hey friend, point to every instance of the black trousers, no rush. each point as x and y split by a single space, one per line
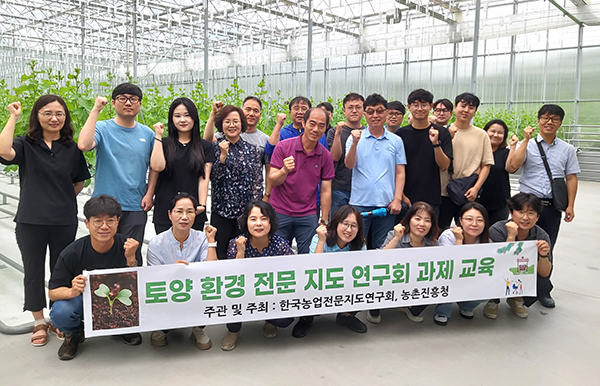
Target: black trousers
34 241
133 225
448 212
498 215
227 229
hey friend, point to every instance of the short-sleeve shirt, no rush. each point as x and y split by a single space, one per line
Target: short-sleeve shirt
422 172
256 138
238 181
496 188
80 255
165 249
47 196
447 238
499 233
562 159
327 248
277 247
343 175
374 175
471 149
122 159
297 195
405 241
181 178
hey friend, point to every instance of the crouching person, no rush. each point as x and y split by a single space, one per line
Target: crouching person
183 245
525 211
102 249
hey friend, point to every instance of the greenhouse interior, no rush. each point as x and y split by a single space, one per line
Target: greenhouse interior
514 54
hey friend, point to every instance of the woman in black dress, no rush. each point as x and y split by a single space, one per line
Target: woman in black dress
496 189
180 162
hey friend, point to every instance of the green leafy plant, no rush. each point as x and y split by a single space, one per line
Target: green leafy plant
123 296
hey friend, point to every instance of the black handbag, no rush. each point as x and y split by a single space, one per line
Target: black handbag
560 195
457 188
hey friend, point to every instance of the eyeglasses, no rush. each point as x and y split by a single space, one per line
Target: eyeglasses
300 108
353 108
471 220
353 226
111 222
395 114
555 119
440 111
423 106
373 111
180 212
123 99
48 115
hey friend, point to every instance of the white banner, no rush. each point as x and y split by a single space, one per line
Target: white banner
125 300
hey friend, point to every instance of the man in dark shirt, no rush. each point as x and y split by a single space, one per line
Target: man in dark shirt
336 139
102 249
428 150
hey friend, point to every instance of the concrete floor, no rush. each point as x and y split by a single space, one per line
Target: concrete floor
560 346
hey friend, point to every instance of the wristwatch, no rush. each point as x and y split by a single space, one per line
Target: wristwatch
325 222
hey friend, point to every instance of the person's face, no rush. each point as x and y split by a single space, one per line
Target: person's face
316 125
297 112
102 228
353 110
394 118
183 215
549 124
420 110
472 222
232 126
127 105
496 134
52 117
525 217
376 115
182 119
464 111
420 224
347 229
259 225
442 114
251 110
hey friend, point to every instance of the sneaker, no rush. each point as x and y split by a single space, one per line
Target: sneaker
547 301
301 328
203 342
269 330
517 307
409 315
375 319
228 342
352 322
68 349
133 339
467 314
490 310
158 339
440 320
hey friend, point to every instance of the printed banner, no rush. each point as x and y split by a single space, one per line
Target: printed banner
119 301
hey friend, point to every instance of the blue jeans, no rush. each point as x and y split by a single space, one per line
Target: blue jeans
446 308
67 315
339 198
381 226
302 228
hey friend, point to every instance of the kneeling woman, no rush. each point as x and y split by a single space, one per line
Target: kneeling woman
474 228
182 245
258 224
418 228
344 233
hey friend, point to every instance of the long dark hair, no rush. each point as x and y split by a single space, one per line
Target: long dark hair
484 237
434 231
339 216
35 130
196 159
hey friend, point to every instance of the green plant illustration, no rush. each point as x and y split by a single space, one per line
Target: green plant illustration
123 296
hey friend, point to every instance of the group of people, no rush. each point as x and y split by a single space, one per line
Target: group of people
331 188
